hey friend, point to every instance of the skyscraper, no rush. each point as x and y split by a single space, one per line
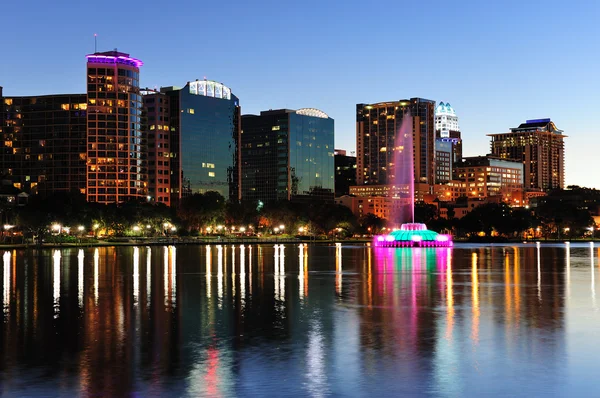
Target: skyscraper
447 128
539 145
376 129
287 155
116 165
205 127
43 146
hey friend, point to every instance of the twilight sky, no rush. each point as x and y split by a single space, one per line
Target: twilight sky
497 63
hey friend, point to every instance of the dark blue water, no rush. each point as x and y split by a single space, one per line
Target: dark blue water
301 321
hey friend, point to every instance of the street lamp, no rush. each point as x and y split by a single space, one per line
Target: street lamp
276 230
56 227
81 228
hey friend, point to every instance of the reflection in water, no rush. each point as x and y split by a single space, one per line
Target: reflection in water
385 321
220 276
80 258
338 268
56 282
6 283
301 249
96 261
136 276
242 275
593 279
208 274
475 298
148 275
568 269
539 273
279 259
316 376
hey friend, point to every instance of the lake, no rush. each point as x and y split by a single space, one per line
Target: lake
301 320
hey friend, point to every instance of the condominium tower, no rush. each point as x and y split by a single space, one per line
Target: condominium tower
116 164
539 145
376 128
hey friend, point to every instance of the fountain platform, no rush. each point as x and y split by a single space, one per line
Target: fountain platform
413 235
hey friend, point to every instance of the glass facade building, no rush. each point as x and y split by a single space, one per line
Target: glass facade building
287 155
116 164
209 126
43 145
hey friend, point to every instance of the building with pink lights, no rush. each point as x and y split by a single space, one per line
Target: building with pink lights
116 160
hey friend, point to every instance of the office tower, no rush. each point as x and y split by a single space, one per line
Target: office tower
43 145
287 155
443 160
376 129
116 165
446 127
539 145
156 127
345 172
204 119
487 176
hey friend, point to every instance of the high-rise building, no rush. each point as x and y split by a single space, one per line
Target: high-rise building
539 145
447 129
43 145
443 160
287 155
116 164
345 172
158 130
204 122
445 120
376 128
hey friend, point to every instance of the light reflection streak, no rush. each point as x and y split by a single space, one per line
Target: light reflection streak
6 283
220 276
173 271
243 274
208 271
507 292
338 268
301 271
233 272
539 273
517 279
449 297
282 272
166 275
136 276
369 276
475 298
80 257
148 275
593 274
316 374
96 261
568 266
56 282
250 270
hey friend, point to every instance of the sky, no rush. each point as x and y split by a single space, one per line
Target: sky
497 63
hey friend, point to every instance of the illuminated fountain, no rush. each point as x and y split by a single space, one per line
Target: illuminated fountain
410 234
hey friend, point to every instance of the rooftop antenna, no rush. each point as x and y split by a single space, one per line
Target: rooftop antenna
95 42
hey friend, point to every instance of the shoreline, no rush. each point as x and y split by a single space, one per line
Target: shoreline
240 241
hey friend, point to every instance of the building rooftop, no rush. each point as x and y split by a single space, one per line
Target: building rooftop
113 57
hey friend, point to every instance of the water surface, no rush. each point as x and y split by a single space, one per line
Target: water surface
297 320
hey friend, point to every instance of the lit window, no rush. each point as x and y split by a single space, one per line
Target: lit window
211 173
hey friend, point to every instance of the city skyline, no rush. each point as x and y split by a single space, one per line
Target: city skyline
487 60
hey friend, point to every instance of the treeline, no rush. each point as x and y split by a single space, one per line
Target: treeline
561 214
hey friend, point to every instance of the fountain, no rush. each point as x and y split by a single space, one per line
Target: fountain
402 178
